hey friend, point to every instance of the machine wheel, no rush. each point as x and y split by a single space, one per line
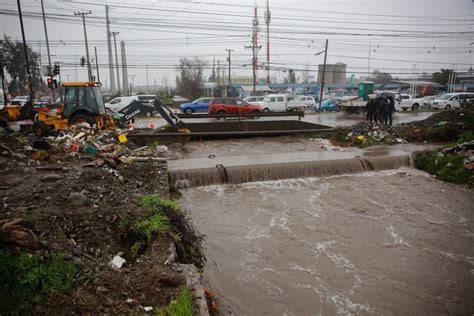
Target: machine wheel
447 107
189 111
81 118
41 129
415 107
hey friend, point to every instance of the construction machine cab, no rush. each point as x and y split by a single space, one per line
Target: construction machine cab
83 102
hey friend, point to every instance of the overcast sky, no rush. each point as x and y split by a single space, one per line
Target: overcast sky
430 33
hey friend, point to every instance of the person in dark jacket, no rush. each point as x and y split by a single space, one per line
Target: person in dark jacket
390 109
370 110
381 108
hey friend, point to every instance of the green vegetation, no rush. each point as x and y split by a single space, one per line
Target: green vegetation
444 133
447 167
182 305
164 217
27 279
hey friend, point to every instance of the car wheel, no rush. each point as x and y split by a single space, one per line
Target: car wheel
255 112
415 107
189 111
447 107
220 112
266 110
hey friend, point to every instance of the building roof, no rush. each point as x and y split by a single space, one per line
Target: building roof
418 82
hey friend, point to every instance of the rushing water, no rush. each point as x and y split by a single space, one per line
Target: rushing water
391 243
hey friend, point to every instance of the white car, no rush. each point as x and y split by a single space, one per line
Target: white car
280 103
308 100
408 101
20 100
451 100
119 103
254 99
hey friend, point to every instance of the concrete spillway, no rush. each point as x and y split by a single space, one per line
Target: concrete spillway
242 169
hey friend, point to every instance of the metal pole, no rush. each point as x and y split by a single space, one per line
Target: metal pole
116 61
2 75
96 64
229 60
47 43
25 49
109 48
147 85
267 21
368 65
89 68
322 77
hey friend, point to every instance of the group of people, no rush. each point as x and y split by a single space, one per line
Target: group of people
380 109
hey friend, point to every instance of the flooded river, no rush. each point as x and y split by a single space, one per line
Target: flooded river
393 243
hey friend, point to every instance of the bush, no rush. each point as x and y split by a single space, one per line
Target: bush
25 280
449 168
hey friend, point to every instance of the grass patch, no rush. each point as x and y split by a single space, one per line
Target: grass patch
323 135
449 168
181 305
26 280
444 133
162 216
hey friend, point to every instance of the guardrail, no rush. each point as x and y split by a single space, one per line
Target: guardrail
299 114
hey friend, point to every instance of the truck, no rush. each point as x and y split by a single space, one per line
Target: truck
281 103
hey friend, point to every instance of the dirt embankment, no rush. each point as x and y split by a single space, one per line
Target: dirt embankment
84 208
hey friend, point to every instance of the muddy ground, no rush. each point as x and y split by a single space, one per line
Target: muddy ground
37 185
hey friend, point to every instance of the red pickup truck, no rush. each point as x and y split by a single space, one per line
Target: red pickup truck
232 105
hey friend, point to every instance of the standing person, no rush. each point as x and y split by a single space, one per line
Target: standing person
370 106
380 105
390 109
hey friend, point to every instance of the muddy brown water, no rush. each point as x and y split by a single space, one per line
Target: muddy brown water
395 242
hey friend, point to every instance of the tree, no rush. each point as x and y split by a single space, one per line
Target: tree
190 78
14 59
380 77
442 77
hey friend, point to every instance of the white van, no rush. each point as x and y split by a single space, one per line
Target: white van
451 100
280 103
119 103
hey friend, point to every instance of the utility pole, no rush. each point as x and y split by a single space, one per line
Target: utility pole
267 21
50 74
25 49
322 77
229 60
114 34
124 69
89 68
147 86
255 49
2 77
109 49
368 65
97 64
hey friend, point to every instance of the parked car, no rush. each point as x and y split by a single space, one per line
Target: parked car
328 105
451 100
115 105
232 105
281 103
199 105
408 101
43 103
308 100
20 100
254 99
427 100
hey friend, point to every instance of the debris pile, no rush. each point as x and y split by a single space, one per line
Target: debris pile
68 194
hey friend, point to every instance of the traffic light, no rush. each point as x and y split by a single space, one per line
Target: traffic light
50 83
83 61
56 70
